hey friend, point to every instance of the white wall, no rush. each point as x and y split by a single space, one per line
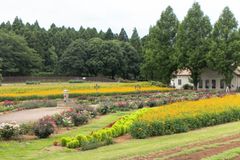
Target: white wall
210 75
184 79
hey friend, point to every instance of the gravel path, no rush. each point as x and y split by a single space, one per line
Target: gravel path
30 115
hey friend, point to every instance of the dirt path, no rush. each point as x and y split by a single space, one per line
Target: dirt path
221 145
30 115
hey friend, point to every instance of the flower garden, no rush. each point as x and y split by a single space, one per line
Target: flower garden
148 110
24 92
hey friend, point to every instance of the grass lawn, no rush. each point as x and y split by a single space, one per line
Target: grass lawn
42 149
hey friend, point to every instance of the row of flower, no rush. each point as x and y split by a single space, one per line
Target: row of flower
103 136
169 119
23 92
46 126
188 115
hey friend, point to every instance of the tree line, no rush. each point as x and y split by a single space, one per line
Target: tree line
28 49
193 44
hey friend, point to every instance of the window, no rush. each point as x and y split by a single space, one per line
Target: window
213 84
179 82
222 84
200 85
207 84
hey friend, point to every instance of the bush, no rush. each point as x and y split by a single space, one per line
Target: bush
27 128
104 108
187 87
75 81
32 82
45 127
157 128
157 83
96 144
65 140
81 139
73 144
139 130
79 118
9 130
152 103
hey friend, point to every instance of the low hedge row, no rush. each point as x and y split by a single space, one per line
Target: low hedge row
142 129
103 136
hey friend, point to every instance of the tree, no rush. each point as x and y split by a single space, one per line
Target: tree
123 36
161 46
109 35
17 57
193 42
111 57
1 78
72 62
131 61
94 63
224 55
135 41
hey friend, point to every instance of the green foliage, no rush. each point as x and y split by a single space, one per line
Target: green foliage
123 36
143 129
193 42
44 127
139 130
224 55
76 81
20 59
159 47
32 82
73 144
8 131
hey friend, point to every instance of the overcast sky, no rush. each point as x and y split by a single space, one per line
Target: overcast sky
107 13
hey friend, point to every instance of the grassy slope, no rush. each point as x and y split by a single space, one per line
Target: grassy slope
39 149
12 150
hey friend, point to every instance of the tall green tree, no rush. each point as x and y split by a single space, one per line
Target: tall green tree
17 57
135 41
1 78
193 42
131 61
72 62
112 57
224 55
123 36
109 35
161 46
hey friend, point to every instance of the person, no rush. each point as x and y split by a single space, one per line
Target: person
227 89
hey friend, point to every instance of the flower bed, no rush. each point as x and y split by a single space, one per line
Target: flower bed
188 115
23 92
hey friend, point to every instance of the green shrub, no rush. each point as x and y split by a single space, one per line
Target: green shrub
65 140
75 81
96 144
187 87
81 139
9 130
104 108
79 119
156 128
44 127
140 130
26 128
74 143
32 82
157 83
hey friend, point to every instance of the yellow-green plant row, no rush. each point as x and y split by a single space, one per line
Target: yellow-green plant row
183 116
55 90
103 136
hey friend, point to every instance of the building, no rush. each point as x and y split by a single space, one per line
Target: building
209 79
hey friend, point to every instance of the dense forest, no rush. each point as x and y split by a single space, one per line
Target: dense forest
194 43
